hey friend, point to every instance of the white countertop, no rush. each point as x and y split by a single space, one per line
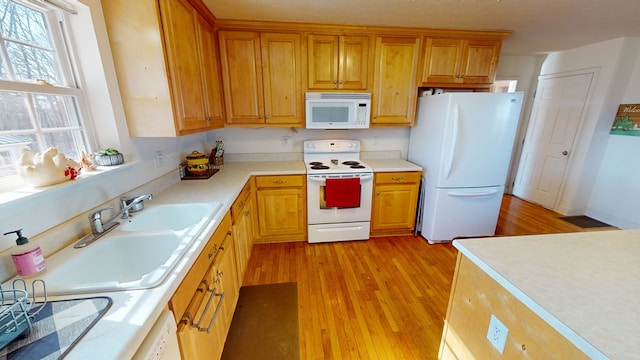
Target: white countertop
121 331
391 165
585 285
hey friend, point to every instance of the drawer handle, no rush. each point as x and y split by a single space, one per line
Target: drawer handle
196 325
279 181
400 178
241 204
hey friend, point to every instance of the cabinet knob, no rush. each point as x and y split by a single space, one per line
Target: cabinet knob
335 81
377 193
260 116
247 213
341 82
221 274
266 117
299 196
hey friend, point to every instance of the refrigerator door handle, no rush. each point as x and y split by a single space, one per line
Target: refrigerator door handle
454 140
476 194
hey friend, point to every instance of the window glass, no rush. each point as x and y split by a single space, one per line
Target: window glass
37 109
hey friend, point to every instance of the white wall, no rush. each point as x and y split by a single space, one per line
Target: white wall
272 140
616 195
613 61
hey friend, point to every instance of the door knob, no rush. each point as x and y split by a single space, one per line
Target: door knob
565 153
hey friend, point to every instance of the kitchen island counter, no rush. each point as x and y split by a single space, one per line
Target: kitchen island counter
585 285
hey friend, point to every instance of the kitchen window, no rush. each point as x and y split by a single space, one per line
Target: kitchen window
41 102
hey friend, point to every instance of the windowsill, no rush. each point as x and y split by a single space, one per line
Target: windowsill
29 194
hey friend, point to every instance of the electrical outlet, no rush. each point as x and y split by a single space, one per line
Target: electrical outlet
285 141
159 159
375 140
497 333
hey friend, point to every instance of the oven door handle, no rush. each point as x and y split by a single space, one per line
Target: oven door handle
321 180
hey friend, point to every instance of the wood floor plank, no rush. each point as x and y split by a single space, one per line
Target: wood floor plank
384 298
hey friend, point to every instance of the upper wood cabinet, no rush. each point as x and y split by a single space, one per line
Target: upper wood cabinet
262 78
338 62
394 89
459 61
148 39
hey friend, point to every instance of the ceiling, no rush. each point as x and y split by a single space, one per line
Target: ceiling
537 26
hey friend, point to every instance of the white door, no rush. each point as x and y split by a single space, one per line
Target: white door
556 116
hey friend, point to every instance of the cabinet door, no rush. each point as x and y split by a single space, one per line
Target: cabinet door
200 332
281 213
442 60
322 61
394 207
242 76
394 88
282 78
354 63
226 283
480 61
212 90
338 62
179 21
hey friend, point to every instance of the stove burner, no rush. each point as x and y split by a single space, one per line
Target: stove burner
319 167
357 166
314 163
351 163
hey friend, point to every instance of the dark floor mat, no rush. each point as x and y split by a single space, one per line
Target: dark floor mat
584 221
265 324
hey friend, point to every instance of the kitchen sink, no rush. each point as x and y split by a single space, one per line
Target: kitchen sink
174 217
138 254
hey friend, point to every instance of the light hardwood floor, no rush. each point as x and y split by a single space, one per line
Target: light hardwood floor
384 298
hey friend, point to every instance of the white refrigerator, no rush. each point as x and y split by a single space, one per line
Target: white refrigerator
463 141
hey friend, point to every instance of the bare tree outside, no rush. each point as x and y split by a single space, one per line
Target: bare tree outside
38 118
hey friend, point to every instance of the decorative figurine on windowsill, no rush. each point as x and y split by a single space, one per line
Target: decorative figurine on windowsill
47 168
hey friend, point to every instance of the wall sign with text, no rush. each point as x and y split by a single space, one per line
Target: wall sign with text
627 121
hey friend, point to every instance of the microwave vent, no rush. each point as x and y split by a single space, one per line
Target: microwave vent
336 96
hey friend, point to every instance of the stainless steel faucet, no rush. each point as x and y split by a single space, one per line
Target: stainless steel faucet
99 228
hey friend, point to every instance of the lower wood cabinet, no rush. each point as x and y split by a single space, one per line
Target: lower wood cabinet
205 300
281 208
242 214
395 198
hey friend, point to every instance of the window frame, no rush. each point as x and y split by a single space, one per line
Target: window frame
67 61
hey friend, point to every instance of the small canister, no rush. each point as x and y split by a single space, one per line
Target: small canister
197 163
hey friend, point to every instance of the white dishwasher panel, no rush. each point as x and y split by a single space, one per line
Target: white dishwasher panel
162 341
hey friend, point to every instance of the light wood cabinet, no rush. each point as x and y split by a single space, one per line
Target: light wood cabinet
459 61
475 296
262 78
338 62
242 214
205 300
395 199
167 66
281 208
394 89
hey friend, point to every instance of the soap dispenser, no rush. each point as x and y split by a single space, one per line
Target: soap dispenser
27 258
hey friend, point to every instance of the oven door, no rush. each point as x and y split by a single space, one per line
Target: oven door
319 213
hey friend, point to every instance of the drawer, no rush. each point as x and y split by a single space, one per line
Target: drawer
242 199
182 297
398 177
280 181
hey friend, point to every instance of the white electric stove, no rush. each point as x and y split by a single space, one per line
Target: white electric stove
336 159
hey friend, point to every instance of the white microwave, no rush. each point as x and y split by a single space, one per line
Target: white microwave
337 110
